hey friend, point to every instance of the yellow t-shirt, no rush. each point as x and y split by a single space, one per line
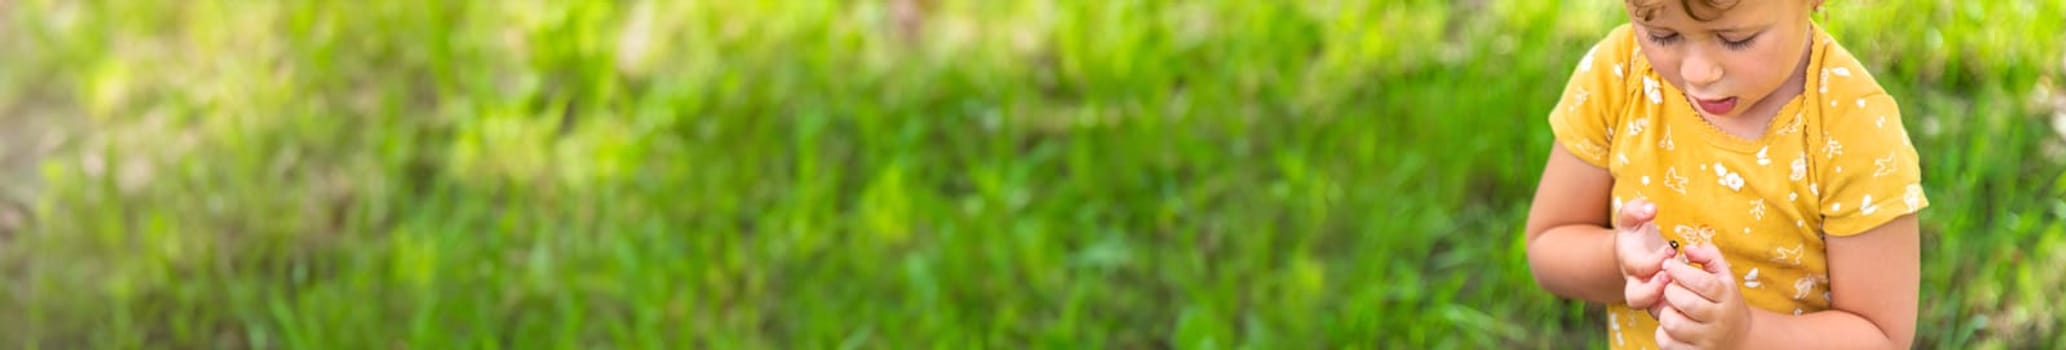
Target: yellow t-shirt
1834 161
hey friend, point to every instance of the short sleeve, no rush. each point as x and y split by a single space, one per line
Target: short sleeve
1584 117
1870 174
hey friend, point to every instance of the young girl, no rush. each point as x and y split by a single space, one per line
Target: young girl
1764 190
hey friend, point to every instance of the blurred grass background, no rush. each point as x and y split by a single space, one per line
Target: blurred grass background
893 173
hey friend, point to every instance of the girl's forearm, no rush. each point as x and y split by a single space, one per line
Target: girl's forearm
1829 329
1577 261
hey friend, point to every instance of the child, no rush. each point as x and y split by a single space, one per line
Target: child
1764 190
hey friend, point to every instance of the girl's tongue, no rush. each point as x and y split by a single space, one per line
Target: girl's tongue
1718 107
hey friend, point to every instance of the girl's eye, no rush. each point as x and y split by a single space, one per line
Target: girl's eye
1666 39
1738 44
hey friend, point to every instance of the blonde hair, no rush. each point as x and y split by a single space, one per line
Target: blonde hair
1645 9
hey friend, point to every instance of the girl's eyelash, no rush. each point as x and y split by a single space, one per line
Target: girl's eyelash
1731 44
1665 39
1739 44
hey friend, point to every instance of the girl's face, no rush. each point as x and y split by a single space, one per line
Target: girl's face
1731 61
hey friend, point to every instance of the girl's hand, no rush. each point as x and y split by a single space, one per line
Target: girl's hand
1706 311
1642 252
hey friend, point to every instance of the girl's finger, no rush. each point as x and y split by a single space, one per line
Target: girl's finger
1635 213
1651 262
1646 293
1690 304
1709 258
1711 286
1667 338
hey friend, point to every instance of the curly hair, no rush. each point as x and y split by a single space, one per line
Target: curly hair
1646 9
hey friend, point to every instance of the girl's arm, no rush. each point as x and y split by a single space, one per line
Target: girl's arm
1570 247
1873 282
1571 242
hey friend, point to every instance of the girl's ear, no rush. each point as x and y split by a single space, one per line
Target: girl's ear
1815 8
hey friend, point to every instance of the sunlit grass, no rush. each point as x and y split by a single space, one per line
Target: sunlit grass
819 174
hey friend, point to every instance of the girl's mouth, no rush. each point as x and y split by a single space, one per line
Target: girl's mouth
1717 106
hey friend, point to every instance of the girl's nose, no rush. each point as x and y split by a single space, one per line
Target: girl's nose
1699 70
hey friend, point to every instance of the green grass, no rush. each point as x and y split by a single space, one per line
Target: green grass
815 174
